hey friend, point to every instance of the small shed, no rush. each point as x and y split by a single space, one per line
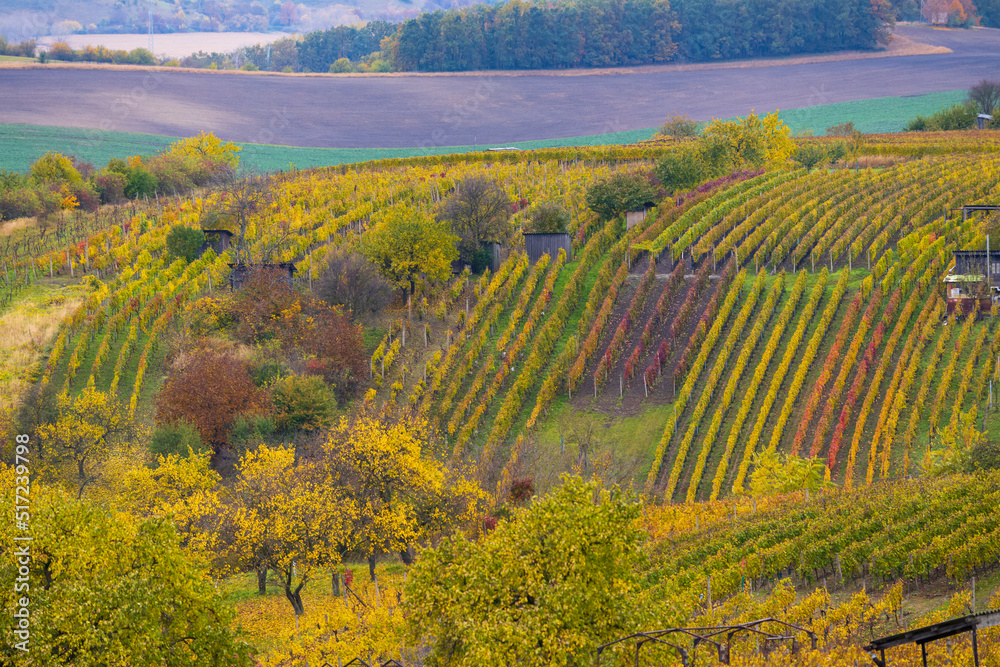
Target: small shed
633 218
241 273
974 266
537 245
930 633
218 240
982 119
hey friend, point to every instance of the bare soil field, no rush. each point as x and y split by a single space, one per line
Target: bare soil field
484 108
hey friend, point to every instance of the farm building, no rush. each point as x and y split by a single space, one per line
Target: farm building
241 273
537 245
964 282
218 240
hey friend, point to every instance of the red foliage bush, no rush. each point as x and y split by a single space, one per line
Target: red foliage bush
110 185
210 390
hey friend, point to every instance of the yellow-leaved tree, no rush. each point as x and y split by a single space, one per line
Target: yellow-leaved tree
544 589
751 142
183 489
408 245
281 516
75 447
208 146
104 588
399 494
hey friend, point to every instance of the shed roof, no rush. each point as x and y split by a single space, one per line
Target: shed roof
929 633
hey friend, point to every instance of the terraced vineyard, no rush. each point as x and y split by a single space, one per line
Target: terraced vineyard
780 310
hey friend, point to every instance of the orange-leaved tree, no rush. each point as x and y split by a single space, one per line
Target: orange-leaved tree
210 390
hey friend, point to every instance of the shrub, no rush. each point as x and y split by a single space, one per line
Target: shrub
141 182
679 127
178 437
957 117
86 196
19 203
841 129
54 167
185 242
547 218
61 51
340 66
110 185
250 431
302 402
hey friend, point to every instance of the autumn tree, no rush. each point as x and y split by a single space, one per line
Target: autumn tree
302 402
679 127
751 142
206 146
183 489
54 167
244 197
331 346
408 246
108 589
963 448
545 588
398 493
351 280
209 390
809 155
680 169
281 516
75 446
619 193
478 212
267 308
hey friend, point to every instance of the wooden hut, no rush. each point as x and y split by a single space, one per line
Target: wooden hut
537 245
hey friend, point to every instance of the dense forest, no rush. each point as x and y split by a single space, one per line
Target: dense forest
560 35
604 33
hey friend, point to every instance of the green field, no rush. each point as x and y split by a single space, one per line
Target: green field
20 145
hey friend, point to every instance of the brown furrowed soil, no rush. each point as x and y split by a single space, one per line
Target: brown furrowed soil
404 110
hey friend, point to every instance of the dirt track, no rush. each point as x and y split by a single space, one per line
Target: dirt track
487 108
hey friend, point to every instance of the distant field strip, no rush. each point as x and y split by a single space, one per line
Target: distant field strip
20 145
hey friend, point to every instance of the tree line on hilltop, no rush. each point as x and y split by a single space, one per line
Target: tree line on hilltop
588 33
